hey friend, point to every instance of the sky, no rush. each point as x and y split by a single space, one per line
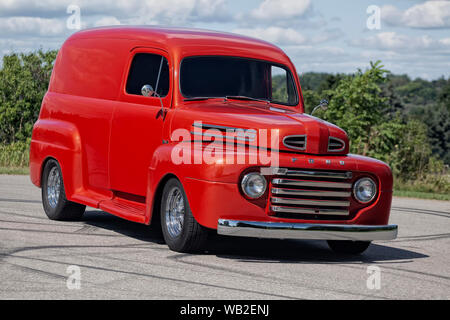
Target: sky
409 36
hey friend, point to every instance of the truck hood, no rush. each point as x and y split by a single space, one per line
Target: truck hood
292 126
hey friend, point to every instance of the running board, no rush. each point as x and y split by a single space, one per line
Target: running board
129 210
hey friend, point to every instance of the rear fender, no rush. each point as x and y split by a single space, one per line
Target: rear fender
61 141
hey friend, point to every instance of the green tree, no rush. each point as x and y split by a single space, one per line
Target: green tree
412 153
360 106
311 99
357 106
437 119
444 95
24 79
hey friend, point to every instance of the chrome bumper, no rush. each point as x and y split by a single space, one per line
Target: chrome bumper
283 230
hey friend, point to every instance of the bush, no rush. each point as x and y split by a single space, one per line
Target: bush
359 106
24 79
16 154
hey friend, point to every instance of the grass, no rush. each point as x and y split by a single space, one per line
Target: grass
436 187
421 195
14 155
14 158
14 170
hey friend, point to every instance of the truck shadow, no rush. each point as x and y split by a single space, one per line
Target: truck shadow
104 220
270 250
258 250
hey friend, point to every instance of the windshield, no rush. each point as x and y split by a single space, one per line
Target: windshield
217 76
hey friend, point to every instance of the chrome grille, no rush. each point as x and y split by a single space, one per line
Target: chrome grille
314 194
335 145
295 142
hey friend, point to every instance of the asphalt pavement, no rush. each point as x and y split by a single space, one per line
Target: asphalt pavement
105 257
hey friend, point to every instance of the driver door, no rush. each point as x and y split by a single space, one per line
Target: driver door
137 124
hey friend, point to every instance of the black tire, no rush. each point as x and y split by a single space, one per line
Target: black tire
61 209
192 236
348 247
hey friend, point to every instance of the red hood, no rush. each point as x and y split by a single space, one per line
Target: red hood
257 116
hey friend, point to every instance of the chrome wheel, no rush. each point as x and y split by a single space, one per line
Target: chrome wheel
175 212
53 187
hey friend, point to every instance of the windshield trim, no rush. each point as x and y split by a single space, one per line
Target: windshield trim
286 68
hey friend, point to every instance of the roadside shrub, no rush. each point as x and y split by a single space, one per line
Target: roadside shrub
24 79
15 154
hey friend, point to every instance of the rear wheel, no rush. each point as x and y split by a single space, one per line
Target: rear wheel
348 247
181 231
56 205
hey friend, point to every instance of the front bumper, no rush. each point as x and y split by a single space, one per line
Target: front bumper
284 230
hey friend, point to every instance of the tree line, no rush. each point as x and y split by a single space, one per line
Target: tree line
401 121
395 96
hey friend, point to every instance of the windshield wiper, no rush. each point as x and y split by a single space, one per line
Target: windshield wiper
200 98
226 98
246 98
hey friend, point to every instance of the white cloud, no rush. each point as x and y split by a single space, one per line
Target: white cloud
48 17
281 13
307 35
174 12
398 42
156 11
107 21
280 36
415 64
430 14
280 9
43 8
288 36
31 26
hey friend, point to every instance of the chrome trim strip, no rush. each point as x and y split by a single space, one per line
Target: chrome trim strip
321 211
309 202
319 174
293 147
204 134
315 193
330 144
285 230
304 183
277 109
214 126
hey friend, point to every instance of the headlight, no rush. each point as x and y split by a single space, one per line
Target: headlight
365 190
254 185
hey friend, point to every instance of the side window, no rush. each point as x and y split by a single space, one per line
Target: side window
149 69
283 90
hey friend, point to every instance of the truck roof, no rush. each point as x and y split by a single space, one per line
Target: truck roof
181 39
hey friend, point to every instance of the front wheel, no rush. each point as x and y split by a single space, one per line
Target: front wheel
181 231
56 205
348 247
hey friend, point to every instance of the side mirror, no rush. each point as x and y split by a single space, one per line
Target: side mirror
147 91
322 105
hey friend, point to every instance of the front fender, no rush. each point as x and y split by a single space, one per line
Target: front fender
213 189
163 165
